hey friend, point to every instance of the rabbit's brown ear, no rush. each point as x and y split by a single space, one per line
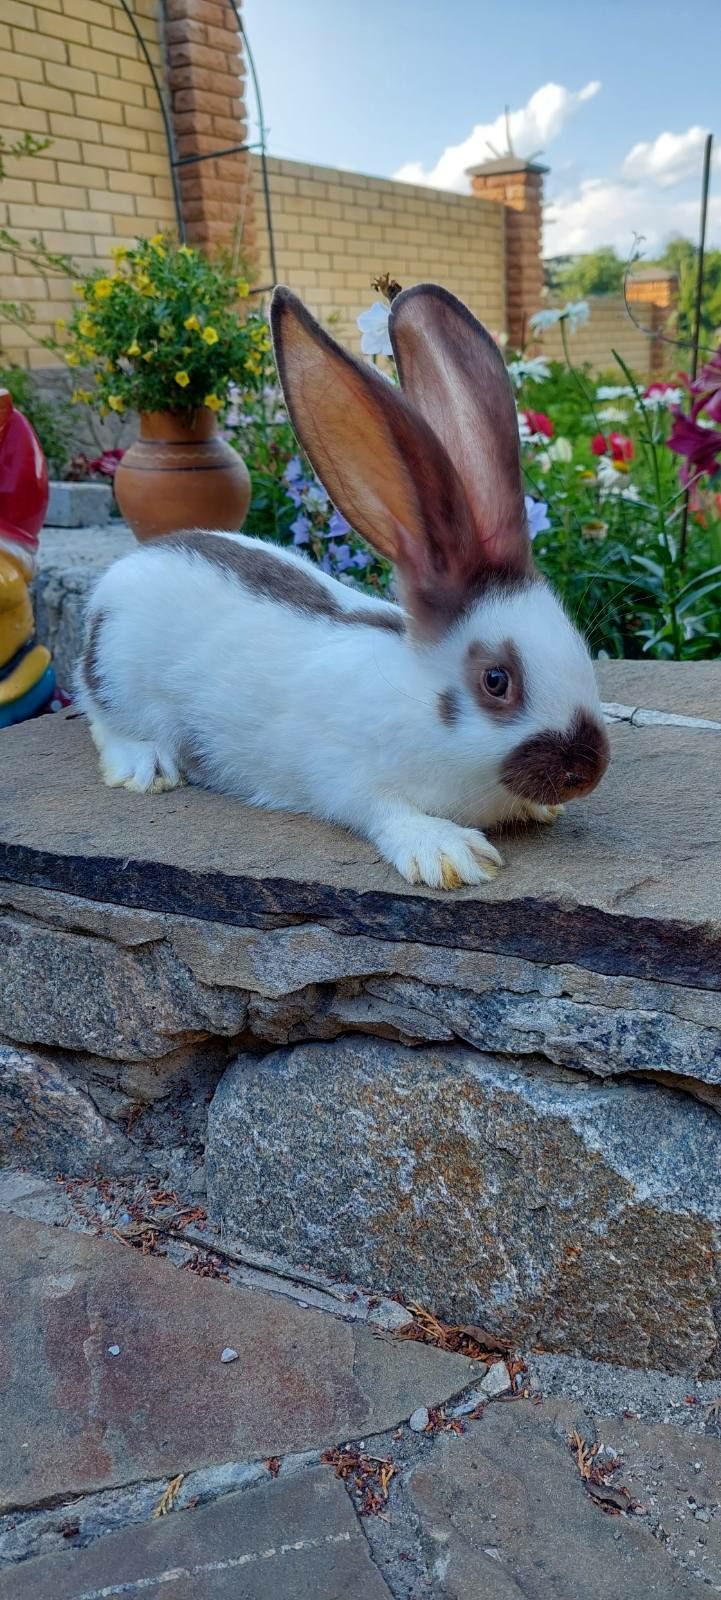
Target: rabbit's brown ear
454 374
382 465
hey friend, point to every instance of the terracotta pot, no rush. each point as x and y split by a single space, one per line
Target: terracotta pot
180 474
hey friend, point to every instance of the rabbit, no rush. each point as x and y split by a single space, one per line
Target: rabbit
226 661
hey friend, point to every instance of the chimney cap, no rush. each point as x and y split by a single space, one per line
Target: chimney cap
500 165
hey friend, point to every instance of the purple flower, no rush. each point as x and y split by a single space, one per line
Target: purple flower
361 560
338 527
701 446
300 529
316 498
341 556
294 470
537 515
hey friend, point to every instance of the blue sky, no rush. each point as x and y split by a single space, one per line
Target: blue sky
618 94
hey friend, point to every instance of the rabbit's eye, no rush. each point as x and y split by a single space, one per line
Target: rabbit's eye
496 682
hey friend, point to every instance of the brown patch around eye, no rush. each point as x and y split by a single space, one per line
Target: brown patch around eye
481 658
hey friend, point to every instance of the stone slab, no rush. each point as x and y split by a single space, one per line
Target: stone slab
79 505
572 1215
70 562
297 1540
74 1418
504 1512
626 882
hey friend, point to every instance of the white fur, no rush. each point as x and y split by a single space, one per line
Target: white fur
295 711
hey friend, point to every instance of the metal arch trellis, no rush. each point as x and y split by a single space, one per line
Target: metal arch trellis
176 162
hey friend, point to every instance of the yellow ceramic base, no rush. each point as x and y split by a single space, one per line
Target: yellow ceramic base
25 675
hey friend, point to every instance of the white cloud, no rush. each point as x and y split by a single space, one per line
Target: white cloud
531 128
669 159
607 211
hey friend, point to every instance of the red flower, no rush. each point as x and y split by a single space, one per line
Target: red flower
700 446
107 463
621 447
598 444
538 422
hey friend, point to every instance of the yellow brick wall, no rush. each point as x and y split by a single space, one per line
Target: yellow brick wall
72 71
335 231
609 328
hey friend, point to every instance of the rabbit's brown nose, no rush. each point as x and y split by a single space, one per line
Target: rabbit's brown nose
552 766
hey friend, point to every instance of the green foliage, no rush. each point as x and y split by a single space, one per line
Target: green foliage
163 332
681 257
49 421
598 272
613 549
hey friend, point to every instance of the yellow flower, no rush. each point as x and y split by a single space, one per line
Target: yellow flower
81 397
182 379
78 288
243 288
86 326
157 239
119 252
134 348
103 288
185 250
60 323
210 336
192 323
116 402
109 366
148 355
143 284
72 359
212 402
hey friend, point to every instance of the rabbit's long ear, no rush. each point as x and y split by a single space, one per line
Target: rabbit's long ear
381 463
454 374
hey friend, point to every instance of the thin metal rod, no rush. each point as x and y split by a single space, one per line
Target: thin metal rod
167 124
263 152
214 155
705 185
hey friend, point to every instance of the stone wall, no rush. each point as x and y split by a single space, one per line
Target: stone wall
336 231
502 1103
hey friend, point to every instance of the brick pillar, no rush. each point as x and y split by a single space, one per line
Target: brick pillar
206 78
653 293
518 185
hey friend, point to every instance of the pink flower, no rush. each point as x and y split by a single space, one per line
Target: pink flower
700 446
107 463
538 422
598 444
707 389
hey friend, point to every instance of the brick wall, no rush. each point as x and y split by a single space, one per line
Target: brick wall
609 328
335 231
71 70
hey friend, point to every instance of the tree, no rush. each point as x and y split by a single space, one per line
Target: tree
598 272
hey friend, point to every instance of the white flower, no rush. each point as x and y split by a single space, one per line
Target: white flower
545 319
612 414
658 401
612 482
576 314
559 450
373 324
535 367
611 391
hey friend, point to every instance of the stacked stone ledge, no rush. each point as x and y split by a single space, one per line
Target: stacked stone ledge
503 1103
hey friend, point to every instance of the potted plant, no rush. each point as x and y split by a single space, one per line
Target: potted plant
162 335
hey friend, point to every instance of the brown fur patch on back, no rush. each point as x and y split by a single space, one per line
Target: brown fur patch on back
264 573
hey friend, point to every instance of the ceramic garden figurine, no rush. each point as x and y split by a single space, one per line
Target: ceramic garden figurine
27 678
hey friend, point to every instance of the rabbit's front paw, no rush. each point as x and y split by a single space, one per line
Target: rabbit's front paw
438 853
533 813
